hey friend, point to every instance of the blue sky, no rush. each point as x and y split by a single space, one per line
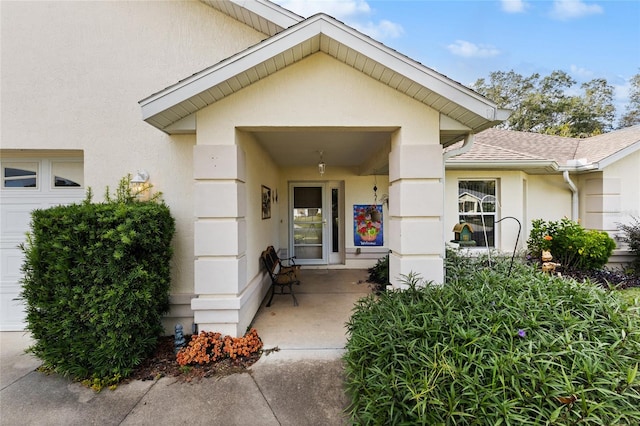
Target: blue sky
466 40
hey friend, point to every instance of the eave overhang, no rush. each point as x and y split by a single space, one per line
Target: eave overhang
261 15
529 166
322 33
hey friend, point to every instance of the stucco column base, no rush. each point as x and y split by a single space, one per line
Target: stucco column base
225 301
230 314
428 269
416 209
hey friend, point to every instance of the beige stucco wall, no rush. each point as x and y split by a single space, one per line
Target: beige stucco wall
627 173
72 76
549 197
523 196
610 197
318 92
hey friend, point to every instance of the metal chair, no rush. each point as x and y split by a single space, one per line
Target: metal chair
280 277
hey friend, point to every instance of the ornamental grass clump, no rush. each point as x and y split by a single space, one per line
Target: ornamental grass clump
484 349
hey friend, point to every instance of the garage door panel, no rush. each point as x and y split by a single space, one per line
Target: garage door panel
12 315
16 206
16 219
11 260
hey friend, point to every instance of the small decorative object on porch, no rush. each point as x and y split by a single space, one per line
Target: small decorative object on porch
547 264
266 202
463 234
178 342
367 222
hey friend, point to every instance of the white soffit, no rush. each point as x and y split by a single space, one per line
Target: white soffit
263 16
321 33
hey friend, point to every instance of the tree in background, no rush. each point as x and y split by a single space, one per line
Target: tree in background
632 115
545 105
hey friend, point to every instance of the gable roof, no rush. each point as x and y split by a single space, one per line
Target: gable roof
609 147
538 153
462 110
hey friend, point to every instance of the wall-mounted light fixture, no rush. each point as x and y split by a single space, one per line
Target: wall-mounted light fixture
140 187
321 165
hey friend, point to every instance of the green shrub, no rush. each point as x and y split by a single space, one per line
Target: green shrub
96 283
486 350
570 244
379 274
632 238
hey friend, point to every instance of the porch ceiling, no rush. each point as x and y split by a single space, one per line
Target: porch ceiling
365 149
170 109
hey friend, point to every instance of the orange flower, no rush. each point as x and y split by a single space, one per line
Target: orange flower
548 237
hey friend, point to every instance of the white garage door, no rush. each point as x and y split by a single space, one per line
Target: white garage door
28 183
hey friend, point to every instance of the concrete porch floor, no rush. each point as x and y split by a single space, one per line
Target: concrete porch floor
316 328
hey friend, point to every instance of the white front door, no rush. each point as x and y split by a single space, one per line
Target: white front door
308 223
28 184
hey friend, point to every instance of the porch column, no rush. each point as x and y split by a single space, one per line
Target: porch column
220 238
416 178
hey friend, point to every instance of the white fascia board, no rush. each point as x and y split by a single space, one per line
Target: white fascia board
319 24
224 70
607 161
270 11
577 169
438 83
551 166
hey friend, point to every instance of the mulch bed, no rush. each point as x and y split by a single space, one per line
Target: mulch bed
162 363
606 278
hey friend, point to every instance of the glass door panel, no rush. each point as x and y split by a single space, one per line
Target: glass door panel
308 224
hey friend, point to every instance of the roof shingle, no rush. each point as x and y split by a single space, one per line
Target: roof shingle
495 145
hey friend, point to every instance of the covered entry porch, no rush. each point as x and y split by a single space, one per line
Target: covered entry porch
316 328
261 116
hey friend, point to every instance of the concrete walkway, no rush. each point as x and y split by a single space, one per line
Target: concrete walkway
301 384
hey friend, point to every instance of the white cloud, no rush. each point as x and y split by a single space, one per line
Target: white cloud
581 72
513 6
572 9
355 13
621 92
339 9
467 49
381 30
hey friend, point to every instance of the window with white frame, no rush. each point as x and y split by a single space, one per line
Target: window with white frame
66 174
19 175
477 200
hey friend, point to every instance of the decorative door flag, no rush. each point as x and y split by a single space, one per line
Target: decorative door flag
367 225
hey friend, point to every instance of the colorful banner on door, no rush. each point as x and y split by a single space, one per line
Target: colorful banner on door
367 225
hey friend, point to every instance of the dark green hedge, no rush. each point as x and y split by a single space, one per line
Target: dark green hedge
96 283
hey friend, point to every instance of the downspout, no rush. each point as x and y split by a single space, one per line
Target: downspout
574 195
466 146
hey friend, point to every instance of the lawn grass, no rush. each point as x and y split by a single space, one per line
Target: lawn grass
631 295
